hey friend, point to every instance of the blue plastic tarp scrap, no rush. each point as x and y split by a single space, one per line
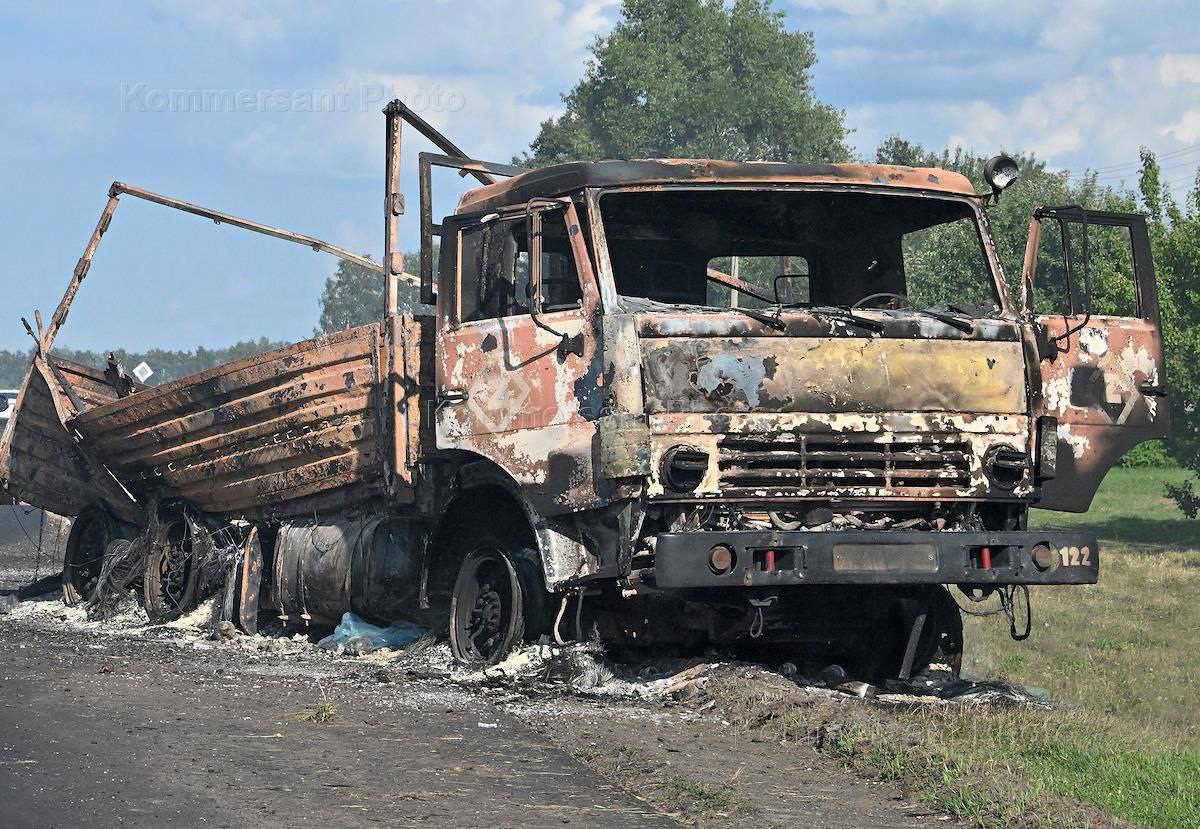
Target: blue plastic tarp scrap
395 635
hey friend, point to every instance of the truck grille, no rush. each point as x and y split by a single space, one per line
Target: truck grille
817 463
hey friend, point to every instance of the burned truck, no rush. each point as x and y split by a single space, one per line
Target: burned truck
777 406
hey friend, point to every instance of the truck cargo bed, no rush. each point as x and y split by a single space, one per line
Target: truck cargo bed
284 432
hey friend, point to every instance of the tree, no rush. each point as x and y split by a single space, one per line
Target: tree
1175 237
353 295
167 365
695 79
1009 218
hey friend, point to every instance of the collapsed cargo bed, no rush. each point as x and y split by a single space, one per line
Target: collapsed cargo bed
289 430
318 425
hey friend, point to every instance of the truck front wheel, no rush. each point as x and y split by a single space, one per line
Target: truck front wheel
487 606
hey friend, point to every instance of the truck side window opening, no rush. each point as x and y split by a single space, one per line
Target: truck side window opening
1111 279
849 245
1052 289
494 269
1058 284
560 277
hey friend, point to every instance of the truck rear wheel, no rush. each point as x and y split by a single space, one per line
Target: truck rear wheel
171 574
487 606
84 554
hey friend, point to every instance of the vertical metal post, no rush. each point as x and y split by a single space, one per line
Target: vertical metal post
81 269
393 208
785 285
735 272
1029 266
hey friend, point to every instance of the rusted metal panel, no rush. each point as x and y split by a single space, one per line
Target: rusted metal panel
1103 390
565 178
87 384
39 462
251 580
830 374
257 433
412 397
510 393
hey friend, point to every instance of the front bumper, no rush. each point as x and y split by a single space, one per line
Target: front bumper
775 558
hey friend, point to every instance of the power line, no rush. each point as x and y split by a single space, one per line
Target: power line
1110 173
1135 164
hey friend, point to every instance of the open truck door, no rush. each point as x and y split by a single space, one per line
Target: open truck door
1089 286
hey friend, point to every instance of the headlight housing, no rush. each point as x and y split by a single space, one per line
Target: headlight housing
1005 466
684 467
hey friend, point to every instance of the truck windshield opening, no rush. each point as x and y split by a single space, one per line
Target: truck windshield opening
798 248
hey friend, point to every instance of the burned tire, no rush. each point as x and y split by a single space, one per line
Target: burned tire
171 574
487 606
83 557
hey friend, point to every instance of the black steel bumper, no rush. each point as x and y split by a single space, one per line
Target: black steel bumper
772 559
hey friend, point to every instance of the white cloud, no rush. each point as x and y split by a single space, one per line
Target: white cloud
1187 128
483 114
1180 69
248 22
488 81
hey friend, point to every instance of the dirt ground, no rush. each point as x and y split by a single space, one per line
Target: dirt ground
119 722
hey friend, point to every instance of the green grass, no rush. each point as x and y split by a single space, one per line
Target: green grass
700 797
1125 651
1131 510
1127 648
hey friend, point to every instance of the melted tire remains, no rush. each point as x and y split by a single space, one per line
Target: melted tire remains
83 557
171 574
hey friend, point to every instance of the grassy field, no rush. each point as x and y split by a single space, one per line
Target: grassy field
1123 659
1125 653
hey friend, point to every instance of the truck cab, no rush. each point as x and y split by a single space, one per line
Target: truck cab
767 402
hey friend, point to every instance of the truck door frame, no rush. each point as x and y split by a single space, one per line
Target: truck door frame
1100 388
553 356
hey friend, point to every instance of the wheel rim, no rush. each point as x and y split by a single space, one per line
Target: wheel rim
485 607
170 574
176 566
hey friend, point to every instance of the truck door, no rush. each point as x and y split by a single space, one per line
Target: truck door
518 378
1089 283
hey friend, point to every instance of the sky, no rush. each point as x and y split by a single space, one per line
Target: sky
271 110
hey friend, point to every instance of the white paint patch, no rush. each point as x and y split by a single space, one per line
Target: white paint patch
1094 341
1138 361
1057 393
1079 443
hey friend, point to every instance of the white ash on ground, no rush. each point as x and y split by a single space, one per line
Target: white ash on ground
536 670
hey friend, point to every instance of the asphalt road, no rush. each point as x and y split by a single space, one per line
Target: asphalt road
142 733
